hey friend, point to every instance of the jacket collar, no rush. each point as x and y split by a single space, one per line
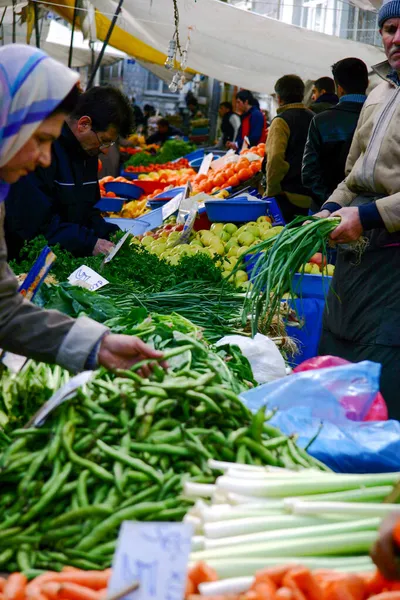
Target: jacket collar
297 105
385 71
327 99
70 140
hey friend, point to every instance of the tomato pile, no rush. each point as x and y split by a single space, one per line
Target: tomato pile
182 163
231 176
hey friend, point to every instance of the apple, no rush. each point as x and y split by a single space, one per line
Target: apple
224 236
217 228
241 277
231 228
246 238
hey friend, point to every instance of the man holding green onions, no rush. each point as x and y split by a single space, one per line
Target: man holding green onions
362 320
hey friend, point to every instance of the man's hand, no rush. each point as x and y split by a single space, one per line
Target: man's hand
322 214
123 351
231 145
350 228
383 553
102 247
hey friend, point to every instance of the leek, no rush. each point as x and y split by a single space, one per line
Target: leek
295 531
242 567
224 529
274 488
356 543
348 508
359 495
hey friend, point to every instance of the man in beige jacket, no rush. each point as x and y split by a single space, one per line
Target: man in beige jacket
362 319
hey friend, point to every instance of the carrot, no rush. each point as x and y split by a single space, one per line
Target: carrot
275 574
376 583
337 590
2 583
290 582
51 589
265 590
1 596
284 593
190 587
306 583
69 569
73 591
94 580
14 588
202 573
386 596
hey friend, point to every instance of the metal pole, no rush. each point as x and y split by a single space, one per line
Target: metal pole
14 23
71 46
37 32
107 39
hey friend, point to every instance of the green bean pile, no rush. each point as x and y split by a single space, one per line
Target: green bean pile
121 449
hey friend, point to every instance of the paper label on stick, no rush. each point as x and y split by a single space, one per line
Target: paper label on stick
116 248
205 164
154 554
172 206
86 277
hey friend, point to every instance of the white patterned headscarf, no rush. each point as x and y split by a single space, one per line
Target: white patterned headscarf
32 85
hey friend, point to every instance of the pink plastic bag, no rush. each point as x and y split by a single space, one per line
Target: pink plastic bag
378 410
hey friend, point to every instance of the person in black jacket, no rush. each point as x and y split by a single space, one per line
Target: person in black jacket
285 147
59 202
230 124
164 131
331 132
323 95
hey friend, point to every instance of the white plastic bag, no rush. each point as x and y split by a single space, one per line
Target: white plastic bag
263 355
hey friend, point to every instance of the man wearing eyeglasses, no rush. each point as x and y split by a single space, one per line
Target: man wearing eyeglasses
59 202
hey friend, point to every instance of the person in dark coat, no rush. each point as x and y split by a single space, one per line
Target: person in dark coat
331 132
164 131
323 95
59 202
285 147
138 114
230 124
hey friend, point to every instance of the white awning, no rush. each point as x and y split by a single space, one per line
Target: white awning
239 47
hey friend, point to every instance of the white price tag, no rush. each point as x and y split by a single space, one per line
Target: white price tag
156 556
172 206
14 362
116 248
205 164
60 396
86 277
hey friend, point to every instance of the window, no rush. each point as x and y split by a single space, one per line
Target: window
155 85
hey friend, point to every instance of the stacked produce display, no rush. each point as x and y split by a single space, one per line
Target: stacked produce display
174 440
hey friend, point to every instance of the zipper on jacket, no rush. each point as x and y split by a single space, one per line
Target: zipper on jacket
376 131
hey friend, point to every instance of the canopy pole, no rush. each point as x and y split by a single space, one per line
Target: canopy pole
71 46
14 37
37 32
106 40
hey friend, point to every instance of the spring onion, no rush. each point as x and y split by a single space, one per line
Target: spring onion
280 258
348 508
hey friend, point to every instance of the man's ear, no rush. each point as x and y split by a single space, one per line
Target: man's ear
84 124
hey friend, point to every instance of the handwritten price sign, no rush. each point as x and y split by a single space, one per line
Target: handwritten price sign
155 555
86 277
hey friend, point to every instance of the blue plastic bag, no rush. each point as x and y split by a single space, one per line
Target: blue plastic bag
351 447
306 399
322 391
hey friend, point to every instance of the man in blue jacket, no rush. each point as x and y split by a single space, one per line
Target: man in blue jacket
59 202
331 132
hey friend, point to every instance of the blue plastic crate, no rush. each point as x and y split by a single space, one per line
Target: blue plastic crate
124 190
129 175
110 204
236 210
199 153
168 195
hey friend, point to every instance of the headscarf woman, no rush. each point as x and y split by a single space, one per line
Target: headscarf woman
36 94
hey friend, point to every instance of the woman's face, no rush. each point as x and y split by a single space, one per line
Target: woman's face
36 152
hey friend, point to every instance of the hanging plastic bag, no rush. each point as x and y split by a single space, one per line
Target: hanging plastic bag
263 355
322 391
350 447
378 410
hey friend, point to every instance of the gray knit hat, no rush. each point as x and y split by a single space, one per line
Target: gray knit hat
390 9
